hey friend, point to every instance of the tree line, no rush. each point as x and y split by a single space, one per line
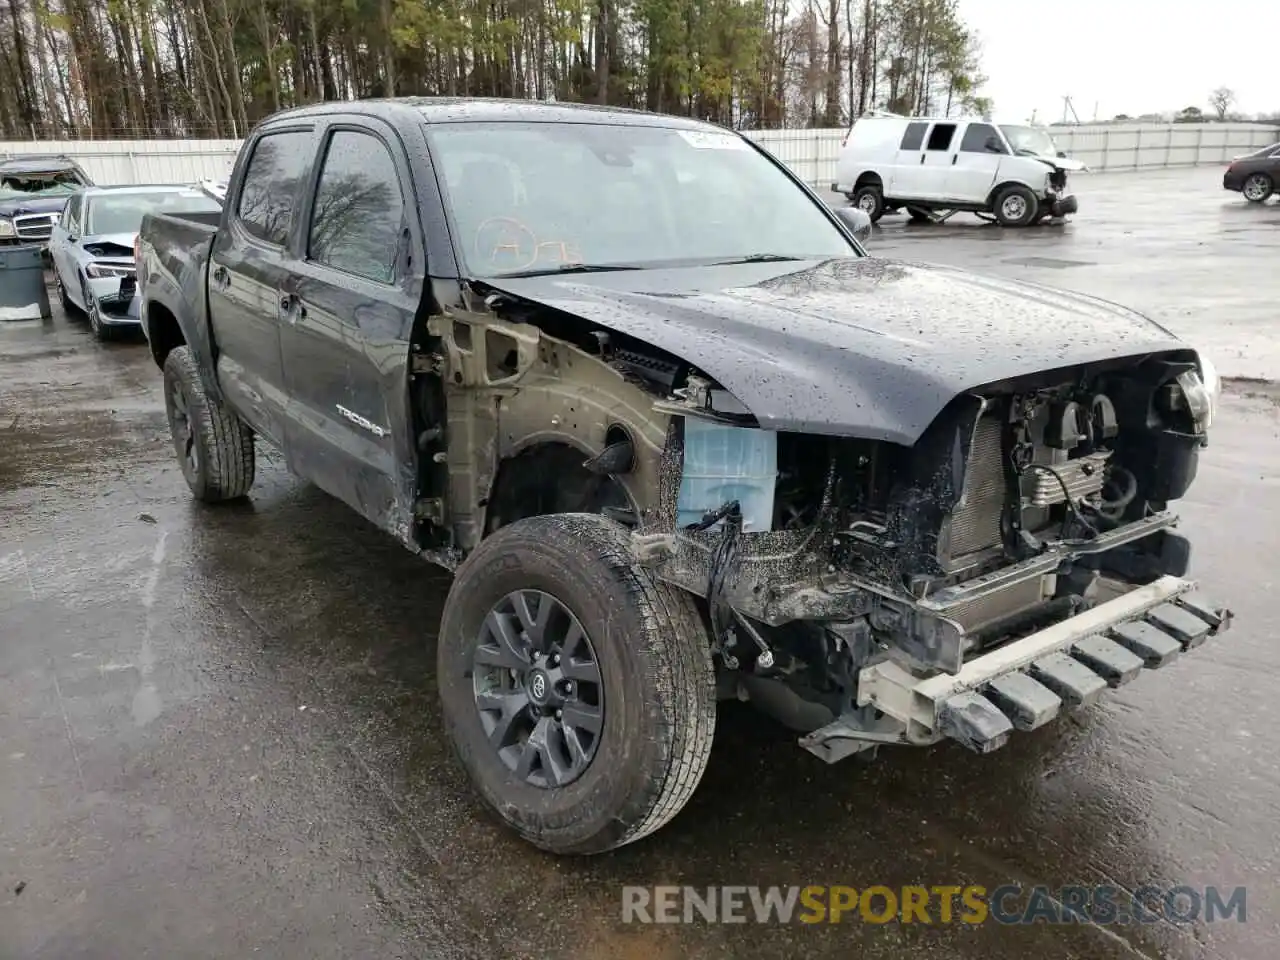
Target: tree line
85 69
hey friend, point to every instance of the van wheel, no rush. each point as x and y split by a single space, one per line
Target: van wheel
1016 206
869 198
1258 188
576 689
214 447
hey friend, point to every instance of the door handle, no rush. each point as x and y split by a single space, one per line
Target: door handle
922 158
954 157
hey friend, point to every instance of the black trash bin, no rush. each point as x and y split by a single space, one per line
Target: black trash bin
23 295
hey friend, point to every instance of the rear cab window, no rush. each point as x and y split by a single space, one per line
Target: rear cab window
913 138
272 185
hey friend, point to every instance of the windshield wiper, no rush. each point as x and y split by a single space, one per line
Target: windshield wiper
756 258
573 268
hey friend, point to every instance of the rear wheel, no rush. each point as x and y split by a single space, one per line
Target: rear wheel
869 198
577 690
213 445
1258 188
1016 206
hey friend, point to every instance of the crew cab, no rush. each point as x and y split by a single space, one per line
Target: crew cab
936 166
679 439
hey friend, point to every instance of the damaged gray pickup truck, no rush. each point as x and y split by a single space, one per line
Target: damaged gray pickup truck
680 439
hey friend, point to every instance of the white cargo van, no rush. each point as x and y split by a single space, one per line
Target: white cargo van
935 165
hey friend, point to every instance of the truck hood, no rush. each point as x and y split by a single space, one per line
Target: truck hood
20 206
858 346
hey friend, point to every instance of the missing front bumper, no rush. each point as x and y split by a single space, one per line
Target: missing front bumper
1024 684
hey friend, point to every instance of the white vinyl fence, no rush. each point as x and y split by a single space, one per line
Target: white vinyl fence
812 154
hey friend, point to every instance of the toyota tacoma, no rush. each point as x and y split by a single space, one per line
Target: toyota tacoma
680 439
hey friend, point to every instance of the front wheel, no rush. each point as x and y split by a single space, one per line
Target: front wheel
1016 206
214 446
576 689
101 331
1258 188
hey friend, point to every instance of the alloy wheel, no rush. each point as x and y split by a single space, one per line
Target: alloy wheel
538 689
183 430
1257 188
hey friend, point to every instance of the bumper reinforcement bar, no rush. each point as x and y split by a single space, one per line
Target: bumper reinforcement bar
1026 683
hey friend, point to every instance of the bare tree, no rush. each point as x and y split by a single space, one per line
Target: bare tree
1221 101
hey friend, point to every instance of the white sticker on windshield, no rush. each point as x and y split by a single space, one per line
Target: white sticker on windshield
702 140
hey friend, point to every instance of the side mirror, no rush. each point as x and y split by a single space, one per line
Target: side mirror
993 145
1062 155
856 220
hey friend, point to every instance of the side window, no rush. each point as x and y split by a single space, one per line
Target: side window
359 210
976 137
71 214
272 184
941 135
914 137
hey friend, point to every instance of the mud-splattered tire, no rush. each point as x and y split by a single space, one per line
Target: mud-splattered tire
657 685
214 447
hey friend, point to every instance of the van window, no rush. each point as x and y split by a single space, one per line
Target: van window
976 137
914 137
941 135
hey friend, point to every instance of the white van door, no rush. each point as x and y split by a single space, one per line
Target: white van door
908 165
977 162
939 158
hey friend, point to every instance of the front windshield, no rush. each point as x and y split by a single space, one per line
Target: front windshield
61 183
1030 140
527 197
123 212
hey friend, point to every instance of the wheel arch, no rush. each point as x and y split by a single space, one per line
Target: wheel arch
163 331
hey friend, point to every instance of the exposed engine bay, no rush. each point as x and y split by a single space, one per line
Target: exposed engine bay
828 563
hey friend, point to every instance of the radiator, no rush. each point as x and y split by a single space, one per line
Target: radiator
975 525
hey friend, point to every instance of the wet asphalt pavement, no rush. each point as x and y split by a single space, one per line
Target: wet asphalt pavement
219 734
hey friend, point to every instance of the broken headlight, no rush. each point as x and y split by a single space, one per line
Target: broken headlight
1212 385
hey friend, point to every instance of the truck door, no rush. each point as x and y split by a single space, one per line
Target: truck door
247 268
350 303
977 163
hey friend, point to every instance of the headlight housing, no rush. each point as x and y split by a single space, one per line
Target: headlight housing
6 227
1212 385
100 270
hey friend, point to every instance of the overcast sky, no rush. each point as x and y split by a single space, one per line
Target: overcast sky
1128 56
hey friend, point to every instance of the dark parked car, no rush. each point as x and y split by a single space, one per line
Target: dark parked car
1256 175
33 191
679 438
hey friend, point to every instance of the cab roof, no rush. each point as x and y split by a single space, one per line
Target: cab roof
463 109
